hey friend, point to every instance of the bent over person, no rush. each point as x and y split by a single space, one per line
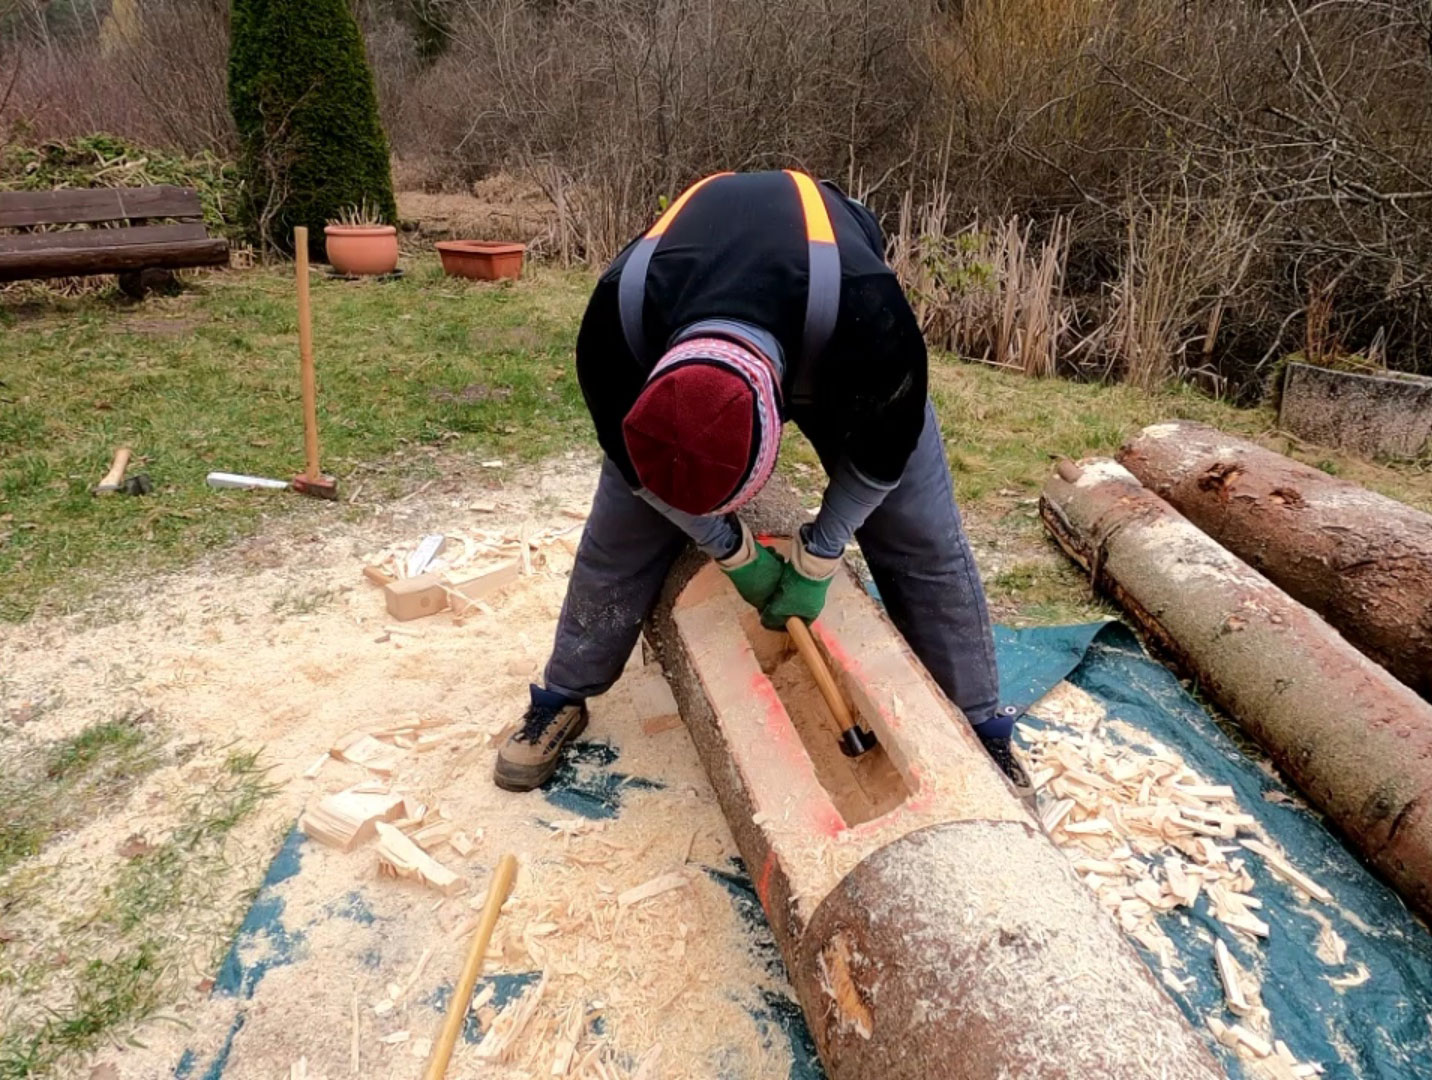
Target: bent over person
759 298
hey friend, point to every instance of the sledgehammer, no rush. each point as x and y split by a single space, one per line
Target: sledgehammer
311 481
854 739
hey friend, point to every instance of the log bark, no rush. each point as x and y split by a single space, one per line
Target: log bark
1353 738
943 936
1359 559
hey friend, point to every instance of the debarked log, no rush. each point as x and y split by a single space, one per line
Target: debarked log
929 927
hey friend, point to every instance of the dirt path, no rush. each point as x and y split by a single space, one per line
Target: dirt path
280 644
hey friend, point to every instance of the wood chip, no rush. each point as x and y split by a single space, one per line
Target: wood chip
506 1029
362 749
399 857
652 699
655 887
1230 975
434 835
461 843
1259 1046
1242 921
464 597
346 818
1346 982
1285 870
1055 815
568 1035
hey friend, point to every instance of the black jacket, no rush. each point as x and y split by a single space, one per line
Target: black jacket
738 251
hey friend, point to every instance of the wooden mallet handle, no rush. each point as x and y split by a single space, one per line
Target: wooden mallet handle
115 476
305 355
462 996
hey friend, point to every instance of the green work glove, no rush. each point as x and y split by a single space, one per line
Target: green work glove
804 582
754 569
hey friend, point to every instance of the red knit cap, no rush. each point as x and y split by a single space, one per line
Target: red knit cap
690 436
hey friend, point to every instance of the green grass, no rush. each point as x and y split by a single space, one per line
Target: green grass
425 362
114 964
1003 433
48 789
209 381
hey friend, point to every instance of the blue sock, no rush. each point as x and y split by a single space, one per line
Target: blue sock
543 698
1000 725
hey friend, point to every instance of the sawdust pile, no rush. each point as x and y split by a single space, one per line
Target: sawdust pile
282 644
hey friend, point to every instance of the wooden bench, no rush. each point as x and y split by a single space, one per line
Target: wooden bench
130 249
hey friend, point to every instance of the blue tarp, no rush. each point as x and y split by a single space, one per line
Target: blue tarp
1379 1030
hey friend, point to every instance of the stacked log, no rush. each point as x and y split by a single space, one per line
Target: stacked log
1359 559
1353 738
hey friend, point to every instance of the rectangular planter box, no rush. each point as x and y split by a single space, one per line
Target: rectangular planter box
1372 415
481 260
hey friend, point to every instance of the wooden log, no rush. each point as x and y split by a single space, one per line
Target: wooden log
1360 560
1357 741
928 925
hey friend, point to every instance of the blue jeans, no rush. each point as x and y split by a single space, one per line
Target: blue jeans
914 543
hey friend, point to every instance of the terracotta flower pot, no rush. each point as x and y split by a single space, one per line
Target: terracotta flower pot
362 249
480 259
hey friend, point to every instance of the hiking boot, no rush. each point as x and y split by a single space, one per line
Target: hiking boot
1001 749
531 754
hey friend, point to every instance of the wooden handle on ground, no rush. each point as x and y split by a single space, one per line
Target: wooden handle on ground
462 996
378 576
115 475
305 355
805 644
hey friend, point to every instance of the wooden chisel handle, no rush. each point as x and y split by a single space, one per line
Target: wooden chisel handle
820 671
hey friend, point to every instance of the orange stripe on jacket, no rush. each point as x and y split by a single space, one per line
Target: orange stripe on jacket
664 222
817 219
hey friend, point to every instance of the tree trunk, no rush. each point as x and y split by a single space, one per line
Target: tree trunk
1361 560
929 927
1353 738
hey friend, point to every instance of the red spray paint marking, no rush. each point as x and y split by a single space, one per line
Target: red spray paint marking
763 881
846 661
777 722
814 806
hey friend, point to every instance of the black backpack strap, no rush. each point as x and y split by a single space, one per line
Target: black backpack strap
823 288
631 286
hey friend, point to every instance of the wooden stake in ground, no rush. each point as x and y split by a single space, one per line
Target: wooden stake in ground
457 1007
